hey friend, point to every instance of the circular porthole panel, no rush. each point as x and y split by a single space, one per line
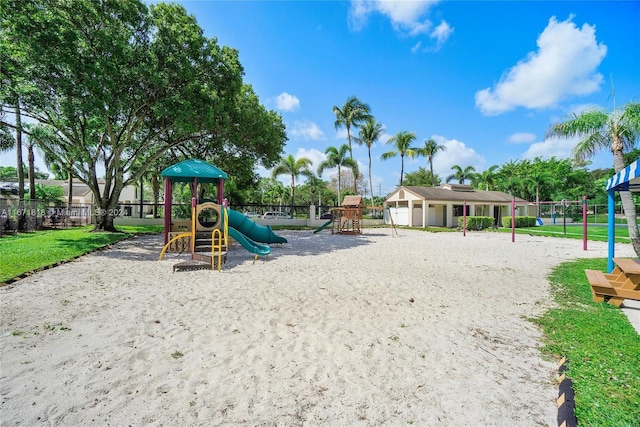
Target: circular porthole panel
208 216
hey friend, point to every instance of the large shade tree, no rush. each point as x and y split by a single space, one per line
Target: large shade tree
617 131
402 143
293 167
119 83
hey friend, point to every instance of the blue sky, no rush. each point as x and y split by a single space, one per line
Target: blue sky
484 78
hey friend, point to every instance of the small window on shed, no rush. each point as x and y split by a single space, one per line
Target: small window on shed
401 194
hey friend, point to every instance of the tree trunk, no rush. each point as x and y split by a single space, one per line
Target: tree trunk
32 170
20 170
630 214
106 206
338 185
627 203
371 185
104 214
70 187
155 188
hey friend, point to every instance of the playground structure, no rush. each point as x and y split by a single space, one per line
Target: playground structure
347 219
206 235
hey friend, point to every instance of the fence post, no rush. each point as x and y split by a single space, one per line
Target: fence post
584 223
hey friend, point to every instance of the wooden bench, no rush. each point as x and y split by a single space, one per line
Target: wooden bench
602 289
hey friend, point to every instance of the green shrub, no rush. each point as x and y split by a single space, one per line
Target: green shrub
476 222
521 221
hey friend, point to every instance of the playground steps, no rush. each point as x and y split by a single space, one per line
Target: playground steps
201 256
191 265
203 249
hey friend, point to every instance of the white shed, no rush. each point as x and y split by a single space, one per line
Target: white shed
441 206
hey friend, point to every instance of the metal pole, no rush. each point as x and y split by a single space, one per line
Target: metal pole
464 218
584 223
564 216
513 220
611 232
167 209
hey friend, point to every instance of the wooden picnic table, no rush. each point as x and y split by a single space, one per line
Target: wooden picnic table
626 265
623 282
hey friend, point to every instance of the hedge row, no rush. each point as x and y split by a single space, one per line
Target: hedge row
482 222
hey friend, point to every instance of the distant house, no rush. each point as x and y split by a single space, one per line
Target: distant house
82 195
441 206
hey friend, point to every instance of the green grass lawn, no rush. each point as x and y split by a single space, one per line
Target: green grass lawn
24 252
602 348
594 232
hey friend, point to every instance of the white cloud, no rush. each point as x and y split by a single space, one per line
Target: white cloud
565 65
287 102
558 147
314 155
457 153
521 138
406 16
441 33
306 130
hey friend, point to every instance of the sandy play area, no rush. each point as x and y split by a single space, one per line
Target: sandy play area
417 329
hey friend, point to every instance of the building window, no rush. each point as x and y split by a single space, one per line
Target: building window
458 210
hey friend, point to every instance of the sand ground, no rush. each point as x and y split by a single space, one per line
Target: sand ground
416 329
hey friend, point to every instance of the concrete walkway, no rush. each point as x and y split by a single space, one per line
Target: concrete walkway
632 309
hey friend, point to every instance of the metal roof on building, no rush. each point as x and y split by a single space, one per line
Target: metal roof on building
459 193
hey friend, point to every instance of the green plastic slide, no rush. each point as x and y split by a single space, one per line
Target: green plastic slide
252 230
323 226
248 244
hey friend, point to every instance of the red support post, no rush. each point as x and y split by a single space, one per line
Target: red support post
584 223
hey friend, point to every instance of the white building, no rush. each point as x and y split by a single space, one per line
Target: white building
441 206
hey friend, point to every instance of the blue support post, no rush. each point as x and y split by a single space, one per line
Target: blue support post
611 235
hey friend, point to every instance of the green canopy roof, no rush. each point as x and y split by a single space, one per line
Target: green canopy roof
187 170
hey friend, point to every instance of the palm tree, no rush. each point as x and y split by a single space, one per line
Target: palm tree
488 177
352 113
430 149
369 133
598 130
516 185
290 166
273 191
402 141
337 157
316 185
461 174
538 179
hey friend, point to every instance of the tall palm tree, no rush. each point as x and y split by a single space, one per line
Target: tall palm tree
402 142
290 166
488 177
516 185
274 191
461 174
598 130
370 132
538 179
430 149
337 157
352 113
